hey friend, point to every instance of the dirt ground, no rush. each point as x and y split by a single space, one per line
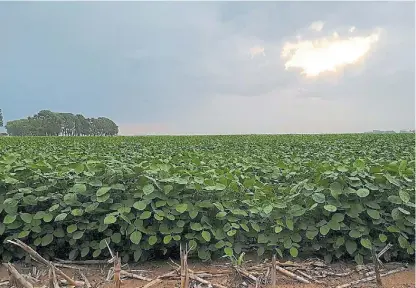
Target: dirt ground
97 275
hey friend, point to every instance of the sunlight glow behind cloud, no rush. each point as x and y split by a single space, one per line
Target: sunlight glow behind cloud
326 54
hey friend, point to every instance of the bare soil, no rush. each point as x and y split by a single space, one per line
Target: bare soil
97 274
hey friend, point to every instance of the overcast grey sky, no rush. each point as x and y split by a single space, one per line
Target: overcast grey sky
212 67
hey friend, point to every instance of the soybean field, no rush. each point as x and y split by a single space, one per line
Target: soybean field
332 196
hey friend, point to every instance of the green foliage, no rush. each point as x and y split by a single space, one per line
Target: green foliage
329 195
48 123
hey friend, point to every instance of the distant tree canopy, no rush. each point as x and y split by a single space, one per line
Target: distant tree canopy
48 123
1 119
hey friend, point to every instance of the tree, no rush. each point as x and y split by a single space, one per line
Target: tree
1 118
48 123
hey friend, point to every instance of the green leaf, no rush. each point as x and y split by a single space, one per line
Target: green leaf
206 235
145 215
148 189
330 208
402 242
167 239
116 238
255 226
228 251
77 235
268 209
382 237
278 229
351 246
181 207
48 218
135 237
355 234
152 240
404 196
9 219
293 252
336 189
140 205
324 230
289 224
221 214
245 227
196 226
373 213
404 211
23 234
102 191
110 219
78 188
363 192
318 197
366 243
61 217
71 228
311 234
359 259
337 217
26 217
47 239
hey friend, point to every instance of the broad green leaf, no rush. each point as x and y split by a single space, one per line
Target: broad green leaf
373 213
404 196
145 215
8 219
71 228
324 230
363 192
102 191
330 208
26 217
152 240
382 237
206 235
366 243
167 239
318 197
351 246
110 219
221 214
140 205
135 237
293 252
61 217
181 207
255 226
78 188
336 189
148 189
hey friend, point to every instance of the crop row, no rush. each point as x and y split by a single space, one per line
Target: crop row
332 196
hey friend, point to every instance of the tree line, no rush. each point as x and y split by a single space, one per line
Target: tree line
48 123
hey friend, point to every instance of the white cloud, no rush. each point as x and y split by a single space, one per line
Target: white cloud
352 29
317 26
314 57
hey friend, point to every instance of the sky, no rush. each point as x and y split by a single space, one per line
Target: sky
212 67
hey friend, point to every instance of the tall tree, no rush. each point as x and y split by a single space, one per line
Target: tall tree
48 123
1 118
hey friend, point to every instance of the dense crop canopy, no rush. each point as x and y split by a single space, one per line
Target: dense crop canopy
329 195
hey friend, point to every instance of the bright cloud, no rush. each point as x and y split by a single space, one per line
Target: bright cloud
317 26
326 54
256 50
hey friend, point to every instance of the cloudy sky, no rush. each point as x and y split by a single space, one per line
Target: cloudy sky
212 67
